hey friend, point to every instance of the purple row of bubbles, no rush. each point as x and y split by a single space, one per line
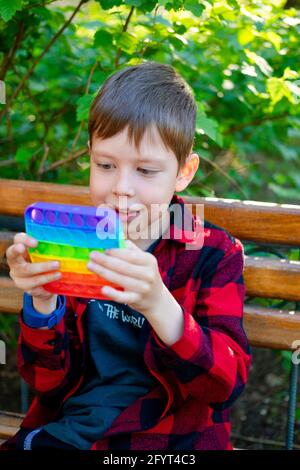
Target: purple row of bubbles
62 218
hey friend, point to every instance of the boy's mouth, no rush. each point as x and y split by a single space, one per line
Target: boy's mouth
127 215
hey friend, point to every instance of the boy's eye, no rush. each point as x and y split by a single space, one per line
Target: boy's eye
144 171
102 165
147 172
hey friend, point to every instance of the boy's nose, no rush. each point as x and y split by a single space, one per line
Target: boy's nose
123 187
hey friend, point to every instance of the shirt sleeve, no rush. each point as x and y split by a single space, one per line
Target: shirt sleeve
212 358
44 355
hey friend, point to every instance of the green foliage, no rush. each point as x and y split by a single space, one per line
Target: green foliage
8 9
241 60
8 330
83 106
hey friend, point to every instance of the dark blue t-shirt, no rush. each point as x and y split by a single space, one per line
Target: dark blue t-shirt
115 375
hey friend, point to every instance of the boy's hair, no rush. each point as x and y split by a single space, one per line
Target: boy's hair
141 95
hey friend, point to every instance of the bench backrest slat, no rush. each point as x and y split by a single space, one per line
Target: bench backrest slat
247 220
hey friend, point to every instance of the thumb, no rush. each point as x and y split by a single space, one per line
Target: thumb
131 245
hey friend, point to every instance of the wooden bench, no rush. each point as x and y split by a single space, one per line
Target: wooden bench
256 223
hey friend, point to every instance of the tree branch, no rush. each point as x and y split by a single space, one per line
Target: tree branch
39 58
255 122
119 51
7 60
86 92
222 172
66 160
8 162
44 158
145 47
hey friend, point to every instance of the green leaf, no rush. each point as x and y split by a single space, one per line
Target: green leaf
223 9
8 8
210 128
179 42
261 63
294 89
108 4
103 38
290 74
23 156
134 3
278 89
200 109
127 42
195 7
245 35
179 28
83 107
285 193
143 6
273 38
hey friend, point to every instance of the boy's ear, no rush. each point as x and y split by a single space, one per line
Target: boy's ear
187 172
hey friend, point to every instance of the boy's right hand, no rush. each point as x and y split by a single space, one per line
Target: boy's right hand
30 277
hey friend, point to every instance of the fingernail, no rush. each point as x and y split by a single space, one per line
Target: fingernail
90 265
57 275
55 264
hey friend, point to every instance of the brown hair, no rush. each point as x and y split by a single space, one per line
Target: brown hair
141 95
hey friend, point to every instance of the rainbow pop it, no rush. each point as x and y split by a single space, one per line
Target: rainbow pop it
68 233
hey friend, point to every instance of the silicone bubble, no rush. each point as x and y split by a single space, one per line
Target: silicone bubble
68 233
80 285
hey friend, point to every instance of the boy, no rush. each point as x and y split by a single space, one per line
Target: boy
158 365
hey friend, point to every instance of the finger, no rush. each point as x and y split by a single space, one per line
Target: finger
131 246
135 257
118 265
23 237
126 282
15 254
32 269
123 297
38 281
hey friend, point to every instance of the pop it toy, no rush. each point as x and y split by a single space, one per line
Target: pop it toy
68 233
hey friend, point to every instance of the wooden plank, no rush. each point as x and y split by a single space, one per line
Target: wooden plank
264 277
271 328
248 220
11 298
277 279
15 195
6 239
9 423
254 221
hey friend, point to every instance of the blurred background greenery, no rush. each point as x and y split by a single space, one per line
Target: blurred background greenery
240 58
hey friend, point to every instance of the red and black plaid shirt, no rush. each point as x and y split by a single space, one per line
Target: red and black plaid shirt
199 377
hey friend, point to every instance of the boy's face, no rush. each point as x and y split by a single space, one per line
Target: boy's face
125 179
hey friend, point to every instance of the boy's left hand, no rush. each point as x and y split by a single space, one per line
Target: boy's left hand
133 269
